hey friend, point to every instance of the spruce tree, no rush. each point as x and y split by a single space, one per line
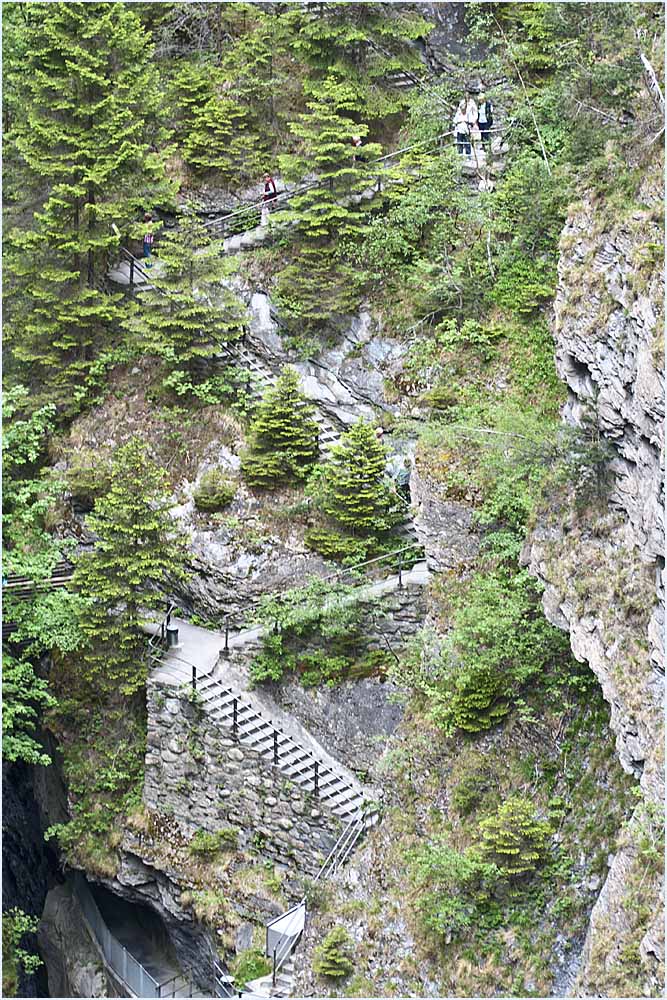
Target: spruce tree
514 838
353 489
283 436
320 284
85 129
217 126
137 551
188 313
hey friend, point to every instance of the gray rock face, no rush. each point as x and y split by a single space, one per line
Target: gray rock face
352 720
444 527
607 352
604 578
347 381
74 964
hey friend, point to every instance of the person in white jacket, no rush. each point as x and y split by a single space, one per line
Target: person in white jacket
465 120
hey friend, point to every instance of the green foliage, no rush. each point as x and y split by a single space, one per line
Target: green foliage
205 844
529 211
214 491
452 885
500 453
189 313
249 965
396 239
283 436
23 695
15 956
351 487
320 284
102 736
88 477
500 640
216 130
45 619
323 615
333 958
514 838
85 124
137 548
334 545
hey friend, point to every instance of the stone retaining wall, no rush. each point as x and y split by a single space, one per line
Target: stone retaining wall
199 774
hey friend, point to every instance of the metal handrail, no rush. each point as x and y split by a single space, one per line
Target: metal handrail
286 194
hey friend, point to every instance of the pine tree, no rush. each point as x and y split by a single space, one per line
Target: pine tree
363 43
86 133
188 313
138 550
353 490
283 436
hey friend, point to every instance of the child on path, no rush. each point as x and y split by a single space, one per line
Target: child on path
148 238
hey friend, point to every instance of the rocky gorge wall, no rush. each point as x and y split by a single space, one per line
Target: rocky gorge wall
603 568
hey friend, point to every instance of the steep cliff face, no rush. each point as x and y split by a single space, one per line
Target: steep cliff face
603 567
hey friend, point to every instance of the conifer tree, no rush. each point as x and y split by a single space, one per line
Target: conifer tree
218 130
514 838
86 132
188 313
320 283
353 489
138 549
362 42
283 436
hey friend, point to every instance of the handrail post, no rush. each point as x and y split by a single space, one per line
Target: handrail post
194 677
235 719
275 747
226 639
316 778
273 977
400 570
131 272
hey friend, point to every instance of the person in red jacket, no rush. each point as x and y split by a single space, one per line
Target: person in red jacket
270 194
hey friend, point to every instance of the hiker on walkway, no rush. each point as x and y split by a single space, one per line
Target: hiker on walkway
148 238
269 196
357 143
464 121
485 118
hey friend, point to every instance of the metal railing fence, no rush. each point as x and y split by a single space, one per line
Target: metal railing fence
116 955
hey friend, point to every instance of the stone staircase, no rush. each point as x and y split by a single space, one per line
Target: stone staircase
335 790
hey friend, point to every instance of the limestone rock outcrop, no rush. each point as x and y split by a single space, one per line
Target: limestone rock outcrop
603 570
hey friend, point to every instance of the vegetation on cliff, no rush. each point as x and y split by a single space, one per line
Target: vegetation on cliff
115 110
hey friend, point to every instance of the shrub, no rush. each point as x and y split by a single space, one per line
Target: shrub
500 640
467 794
452 885
205 844
332 958
514 838
88 478
214 491
249 965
